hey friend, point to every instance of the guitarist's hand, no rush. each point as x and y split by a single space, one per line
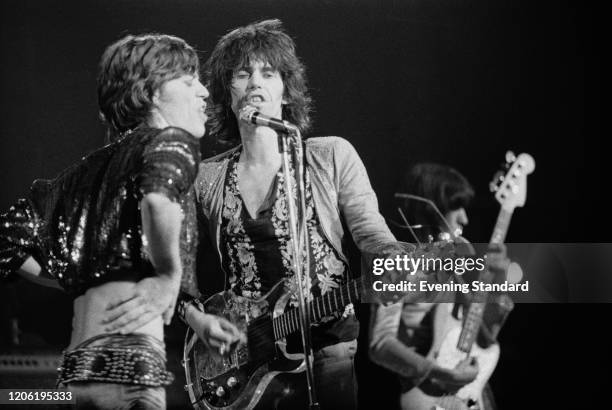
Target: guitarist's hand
451 380
217 333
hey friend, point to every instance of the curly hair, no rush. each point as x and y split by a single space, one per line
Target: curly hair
132 69
445 186
261 41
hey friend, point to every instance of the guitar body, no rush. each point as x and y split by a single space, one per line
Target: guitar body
417 399
444 352
239 381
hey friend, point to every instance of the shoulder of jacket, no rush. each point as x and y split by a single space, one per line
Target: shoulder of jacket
326 142
336 147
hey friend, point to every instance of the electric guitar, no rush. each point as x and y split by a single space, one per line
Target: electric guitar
454 339
240 380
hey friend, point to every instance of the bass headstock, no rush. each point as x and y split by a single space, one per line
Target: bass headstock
510 184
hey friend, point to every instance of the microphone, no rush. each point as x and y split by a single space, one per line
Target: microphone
251 115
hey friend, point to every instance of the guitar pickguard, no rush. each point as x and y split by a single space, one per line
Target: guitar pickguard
449 356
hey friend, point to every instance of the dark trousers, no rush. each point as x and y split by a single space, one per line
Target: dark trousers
335 382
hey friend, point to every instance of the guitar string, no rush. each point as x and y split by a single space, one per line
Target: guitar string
260 328
276 320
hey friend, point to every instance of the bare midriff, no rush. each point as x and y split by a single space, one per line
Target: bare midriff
90 310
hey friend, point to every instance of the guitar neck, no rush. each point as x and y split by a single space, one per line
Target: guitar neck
473 319
501 226
330 302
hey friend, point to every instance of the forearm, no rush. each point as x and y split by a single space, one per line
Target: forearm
397 357
388 351
161 222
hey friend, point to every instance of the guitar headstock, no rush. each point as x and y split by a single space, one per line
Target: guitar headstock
510 185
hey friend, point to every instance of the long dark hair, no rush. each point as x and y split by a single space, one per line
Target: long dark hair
443 185
262 41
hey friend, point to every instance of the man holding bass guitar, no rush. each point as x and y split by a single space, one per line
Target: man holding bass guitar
402 334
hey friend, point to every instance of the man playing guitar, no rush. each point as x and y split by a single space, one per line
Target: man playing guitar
402 333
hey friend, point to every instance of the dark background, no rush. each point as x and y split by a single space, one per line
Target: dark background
455 81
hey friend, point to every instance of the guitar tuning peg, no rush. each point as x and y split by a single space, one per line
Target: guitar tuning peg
510 157
493 187
498 177
444 236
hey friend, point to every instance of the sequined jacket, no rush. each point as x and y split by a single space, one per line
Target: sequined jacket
84 226
340 189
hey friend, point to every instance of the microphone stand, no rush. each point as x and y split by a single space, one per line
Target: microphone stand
301 257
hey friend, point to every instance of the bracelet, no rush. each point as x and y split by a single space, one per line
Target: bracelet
182 305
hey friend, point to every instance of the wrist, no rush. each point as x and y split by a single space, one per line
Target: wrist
440 373
426 374
435 371
187 308
169 272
